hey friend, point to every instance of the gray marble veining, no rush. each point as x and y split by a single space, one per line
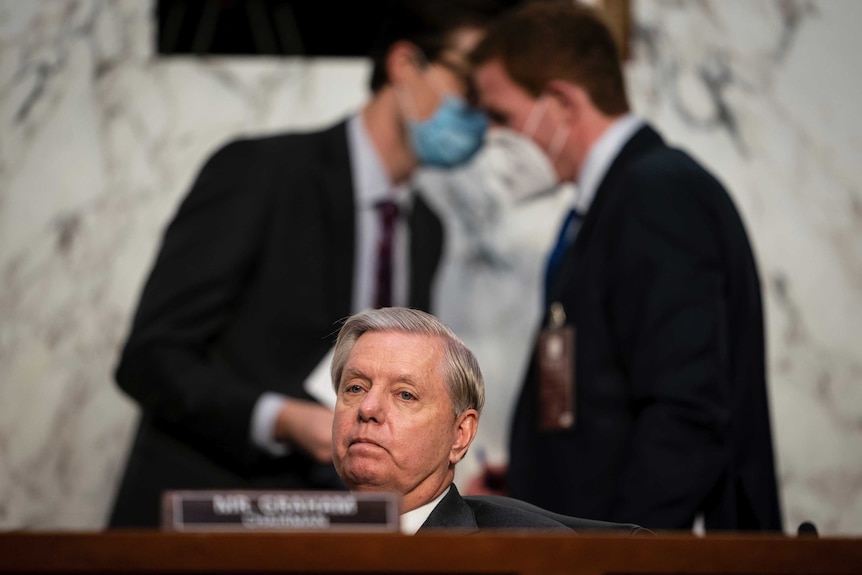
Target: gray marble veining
101 139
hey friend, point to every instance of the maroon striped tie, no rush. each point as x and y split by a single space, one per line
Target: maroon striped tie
388 215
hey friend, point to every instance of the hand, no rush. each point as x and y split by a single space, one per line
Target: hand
490 481
308 426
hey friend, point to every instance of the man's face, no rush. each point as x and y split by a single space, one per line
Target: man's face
394 427
441 129
508 105
447 75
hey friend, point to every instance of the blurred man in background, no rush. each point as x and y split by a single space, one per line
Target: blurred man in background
646 401
278 239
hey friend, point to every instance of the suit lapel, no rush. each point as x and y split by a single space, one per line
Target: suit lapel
339 210
339 198
451 512
643 140
426 240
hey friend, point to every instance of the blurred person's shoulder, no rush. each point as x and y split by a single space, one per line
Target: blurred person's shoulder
280 155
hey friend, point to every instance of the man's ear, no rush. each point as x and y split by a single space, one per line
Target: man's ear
466 426
569 99
401 64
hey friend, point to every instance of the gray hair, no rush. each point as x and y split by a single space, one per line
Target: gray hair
460 369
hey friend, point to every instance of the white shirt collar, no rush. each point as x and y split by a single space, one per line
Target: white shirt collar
413 520
371 184
601 156
371 181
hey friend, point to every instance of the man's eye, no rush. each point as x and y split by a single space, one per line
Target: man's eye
353 388
406 395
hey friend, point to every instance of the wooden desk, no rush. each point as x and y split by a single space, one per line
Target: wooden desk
154 552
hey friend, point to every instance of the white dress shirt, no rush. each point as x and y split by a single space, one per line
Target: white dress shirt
600 157
371 184
413 520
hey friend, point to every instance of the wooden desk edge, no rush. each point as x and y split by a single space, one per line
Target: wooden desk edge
444 552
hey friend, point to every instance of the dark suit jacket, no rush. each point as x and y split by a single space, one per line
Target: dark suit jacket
578 524
254 274
671 402
472 514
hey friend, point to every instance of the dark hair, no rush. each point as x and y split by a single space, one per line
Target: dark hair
546 41
430 25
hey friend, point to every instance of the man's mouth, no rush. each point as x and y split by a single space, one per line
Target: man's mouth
364 441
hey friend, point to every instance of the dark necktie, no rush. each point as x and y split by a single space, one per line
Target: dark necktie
567 234
388 211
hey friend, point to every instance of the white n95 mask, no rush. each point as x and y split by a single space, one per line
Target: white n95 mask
516 166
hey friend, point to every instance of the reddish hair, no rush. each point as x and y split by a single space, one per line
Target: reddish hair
546 41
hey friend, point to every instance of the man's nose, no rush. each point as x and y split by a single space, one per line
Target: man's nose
372 408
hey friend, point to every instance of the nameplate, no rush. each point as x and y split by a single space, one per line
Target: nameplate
279 511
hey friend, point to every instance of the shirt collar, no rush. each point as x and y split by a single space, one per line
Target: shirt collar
370 179
413 520
601 156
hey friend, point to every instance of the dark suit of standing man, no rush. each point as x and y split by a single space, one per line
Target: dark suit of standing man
658 410
258 266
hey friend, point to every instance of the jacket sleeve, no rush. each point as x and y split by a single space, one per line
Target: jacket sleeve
197 281
669 308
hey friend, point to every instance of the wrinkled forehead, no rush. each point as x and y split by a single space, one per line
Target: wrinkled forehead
410 355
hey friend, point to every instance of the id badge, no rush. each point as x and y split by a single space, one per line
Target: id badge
555 362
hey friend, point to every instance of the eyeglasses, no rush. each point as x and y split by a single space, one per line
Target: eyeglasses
455 63
461 71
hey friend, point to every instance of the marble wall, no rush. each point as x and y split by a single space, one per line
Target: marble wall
764 93
99 140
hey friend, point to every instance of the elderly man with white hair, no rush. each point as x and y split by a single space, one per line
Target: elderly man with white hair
409 395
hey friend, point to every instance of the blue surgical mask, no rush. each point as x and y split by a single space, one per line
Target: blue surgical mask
451 136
